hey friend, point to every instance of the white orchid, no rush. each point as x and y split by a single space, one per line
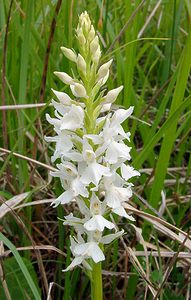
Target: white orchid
92 150
67 117
97 221
84 251
128 172
79 259
62 139
69 176
92 171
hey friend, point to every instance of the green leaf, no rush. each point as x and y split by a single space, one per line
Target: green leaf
27 275
170 135
15 280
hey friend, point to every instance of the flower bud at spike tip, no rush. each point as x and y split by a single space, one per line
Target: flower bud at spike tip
68 53
84 21
64 77
112 95
102 72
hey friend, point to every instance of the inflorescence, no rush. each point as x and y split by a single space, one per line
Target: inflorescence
90 148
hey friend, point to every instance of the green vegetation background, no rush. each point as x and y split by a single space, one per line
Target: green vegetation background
150 42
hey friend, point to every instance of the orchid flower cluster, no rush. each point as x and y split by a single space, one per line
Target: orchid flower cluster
91 147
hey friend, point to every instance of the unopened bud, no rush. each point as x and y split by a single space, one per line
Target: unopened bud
81 64
103 80
94 45
62 97
69 53
85 21
78 90
91 34
64 77
103 70
105 107
96 56
81 37
112 95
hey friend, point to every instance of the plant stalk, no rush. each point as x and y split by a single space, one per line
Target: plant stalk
96 283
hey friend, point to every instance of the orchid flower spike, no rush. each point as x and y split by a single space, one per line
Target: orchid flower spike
92 150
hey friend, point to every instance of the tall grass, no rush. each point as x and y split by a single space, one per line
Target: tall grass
150 42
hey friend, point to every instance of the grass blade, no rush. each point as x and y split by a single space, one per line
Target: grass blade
170 135
22 266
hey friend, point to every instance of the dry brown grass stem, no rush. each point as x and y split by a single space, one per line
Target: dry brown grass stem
37 252
35 247
28 159
21 106
149 19
163 254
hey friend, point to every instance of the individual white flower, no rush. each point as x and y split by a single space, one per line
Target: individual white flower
119 117
115 193
77 223
128 172
65 170
79 259
63 142
56 122
62 97
60 109
112 129
68 118
73 119
97 221
89 250
115 151
69 175
111 135
75 262
91 170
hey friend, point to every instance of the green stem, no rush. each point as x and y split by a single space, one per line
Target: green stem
96 284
